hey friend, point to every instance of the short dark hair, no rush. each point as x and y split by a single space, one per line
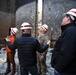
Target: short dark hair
73 21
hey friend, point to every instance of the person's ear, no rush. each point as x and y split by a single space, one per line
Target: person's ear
68 18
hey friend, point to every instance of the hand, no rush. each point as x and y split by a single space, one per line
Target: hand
48 42
7 38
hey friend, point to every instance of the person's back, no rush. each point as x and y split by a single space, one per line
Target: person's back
26 50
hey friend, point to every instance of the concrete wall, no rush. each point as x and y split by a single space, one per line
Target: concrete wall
7 18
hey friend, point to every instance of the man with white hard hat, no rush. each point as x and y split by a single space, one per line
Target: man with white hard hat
27 47
64 54
42 38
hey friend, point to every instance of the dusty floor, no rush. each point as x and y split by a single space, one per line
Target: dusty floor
3 63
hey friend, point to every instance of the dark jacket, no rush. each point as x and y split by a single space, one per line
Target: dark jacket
27 47
64 54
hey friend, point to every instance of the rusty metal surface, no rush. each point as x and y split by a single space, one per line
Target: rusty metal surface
53 14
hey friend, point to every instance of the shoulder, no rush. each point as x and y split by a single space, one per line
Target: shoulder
71 29
69 33
17 39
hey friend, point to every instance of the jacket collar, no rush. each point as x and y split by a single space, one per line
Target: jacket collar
26 35
66 26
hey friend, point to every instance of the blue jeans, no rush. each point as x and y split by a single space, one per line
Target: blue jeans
25 71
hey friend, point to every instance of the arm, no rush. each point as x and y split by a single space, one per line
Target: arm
40 48
10 45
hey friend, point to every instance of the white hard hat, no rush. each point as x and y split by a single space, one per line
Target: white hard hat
72 12
45 27
14 30
25 25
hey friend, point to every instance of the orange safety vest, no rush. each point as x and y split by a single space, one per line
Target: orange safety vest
12 38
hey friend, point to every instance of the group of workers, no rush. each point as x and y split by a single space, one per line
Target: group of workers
32 51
